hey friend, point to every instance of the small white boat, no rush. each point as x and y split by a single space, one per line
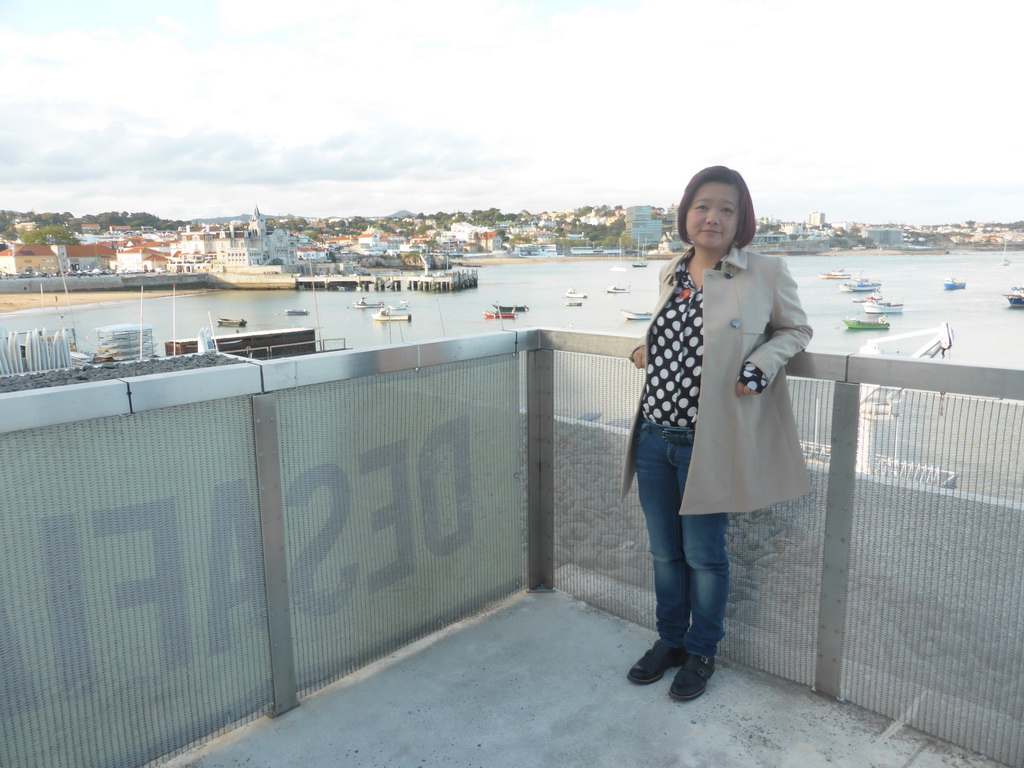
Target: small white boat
835 274
876 296
631 315
231 322
883 308
364 304
860 286
952 284
391 314
572 293
574 303
296 311
617 289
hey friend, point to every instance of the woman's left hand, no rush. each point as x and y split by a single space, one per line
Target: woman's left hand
742 390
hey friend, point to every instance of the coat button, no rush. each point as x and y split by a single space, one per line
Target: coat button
735 323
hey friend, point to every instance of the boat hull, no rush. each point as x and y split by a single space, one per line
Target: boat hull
390 316
866 325
882 308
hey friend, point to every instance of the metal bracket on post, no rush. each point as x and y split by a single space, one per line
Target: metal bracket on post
275 566
838 526
540 401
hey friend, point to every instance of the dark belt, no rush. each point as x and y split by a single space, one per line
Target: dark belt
674 435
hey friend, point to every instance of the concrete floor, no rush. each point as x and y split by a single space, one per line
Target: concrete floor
540 681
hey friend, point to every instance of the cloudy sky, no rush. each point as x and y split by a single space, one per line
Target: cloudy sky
873 111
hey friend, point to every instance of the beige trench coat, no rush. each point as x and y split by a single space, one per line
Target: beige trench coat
746 453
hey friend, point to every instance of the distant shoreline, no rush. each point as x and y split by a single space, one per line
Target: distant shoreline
19 302
500 261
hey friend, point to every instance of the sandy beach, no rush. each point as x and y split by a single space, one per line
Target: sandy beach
15 302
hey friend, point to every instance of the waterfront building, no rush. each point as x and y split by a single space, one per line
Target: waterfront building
884 236
30 259
234 247
815 220
641 228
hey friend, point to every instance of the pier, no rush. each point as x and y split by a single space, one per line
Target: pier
434 282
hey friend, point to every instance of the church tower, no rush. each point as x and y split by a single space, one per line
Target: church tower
257 224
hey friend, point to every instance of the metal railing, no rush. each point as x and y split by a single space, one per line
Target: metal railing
188 552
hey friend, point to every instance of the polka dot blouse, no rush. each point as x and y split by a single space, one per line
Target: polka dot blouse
675 356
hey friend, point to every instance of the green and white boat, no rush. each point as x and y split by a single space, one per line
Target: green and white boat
880 323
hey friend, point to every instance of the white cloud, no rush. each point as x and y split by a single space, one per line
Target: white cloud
868 111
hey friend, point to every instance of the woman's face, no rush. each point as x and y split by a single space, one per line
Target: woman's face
712 220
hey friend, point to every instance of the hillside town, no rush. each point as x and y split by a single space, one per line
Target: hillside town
47 244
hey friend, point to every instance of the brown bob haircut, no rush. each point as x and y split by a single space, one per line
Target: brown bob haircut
746 225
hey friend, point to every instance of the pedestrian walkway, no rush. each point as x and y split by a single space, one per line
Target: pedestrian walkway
540 681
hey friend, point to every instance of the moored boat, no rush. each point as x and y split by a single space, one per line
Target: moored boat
500 315
296 311
1016 297
865 324
883 307
952 284
631 315
572 293
876 296
364 304
511 307
860 285
386 314
574 303
617 289
231 323
835 274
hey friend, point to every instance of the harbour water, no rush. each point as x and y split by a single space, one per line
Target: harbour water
986 331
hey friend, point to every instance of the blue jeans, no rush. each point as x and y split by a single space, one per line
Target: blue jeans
691 563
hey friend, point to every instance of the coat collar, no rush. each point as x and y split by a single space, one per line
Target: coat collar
737 257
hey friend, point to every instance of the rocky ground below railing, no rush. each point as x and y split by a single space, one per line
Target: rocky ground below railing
21 382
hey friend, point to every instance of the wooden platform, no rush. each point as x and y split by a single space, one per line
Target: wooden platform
257 345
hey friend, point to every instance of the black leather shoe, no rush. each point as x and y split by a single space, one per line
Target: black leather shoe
692 680
654 663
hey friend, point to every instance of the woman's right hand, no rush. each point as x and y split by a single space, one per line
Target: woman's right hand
639 358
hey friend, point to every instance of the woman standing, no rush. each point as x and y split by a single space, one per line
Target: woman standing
714 432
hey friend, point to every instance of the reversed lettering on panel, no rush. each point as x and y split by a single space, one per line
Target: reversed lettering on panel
396 515
65 586
303 574
438 464
17 689
235 548
166 590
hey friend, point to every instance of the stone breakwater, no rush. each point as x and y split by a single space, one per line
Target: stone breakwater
21 382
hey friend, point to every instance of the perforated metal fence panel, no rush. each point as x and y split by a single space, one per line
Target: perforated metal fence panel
935 623
132 616
601 543
404 507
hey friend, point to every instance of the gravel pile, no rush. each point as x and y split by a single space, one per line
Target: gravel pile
20 382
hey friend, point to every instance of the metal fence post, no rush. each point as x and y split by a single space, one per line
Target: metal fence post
275 565
540 400
838 524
